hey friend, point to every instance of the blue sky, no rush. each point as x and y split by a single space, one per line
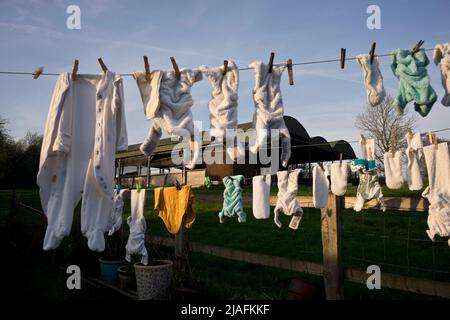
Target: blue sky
325 99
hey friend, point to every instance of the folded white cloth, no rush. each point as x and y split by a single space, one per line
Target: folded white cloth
137 224
368 148
223 106
118 211
373 80
339 177
320 187
441 55
438 191
414 154
287 198
261 196
167 102
269 108
393 170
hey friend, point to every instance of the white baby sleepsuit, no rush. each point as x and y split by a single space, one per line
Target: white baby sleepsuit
287 198
84 130
136 222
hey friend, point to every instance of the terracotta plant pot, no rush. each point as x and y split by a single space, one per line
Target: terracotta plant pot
127 279
108 269
153 281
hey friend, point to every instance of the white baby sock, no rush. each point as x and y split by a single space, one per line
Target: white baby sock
393 170
373 80
261 196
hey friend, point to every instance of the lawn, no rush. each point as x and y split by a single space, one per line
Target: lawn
396 241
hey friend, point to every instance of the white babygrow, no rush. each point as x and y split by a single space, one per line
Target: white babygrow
414 154
373 80
287 198
85 127
137 224
167 102
261 196
438 191
223 105
269 108
393 170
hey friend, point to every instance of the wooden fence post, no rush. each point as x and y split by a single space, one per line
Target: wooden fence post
181 252
333 272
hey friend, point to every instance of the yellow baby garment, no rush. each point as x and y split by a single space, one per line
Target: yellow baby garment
174 205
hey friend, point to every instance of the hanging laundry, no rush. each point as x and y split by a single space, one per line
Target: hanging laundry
367 148
232 199
175 207
414 154
136 222
369 187
339 178
118 211
320 187
393 170
261 196
223 105
269 108
167 103
84 130
414 82
438 191
287 198
441 55
373 80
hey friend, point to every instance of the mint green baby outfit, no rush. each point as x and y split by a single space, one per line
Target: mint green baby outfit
414 82
232 199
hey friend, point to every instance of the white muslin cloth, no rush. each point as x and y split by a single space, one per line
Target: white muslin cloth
287 198
261 196
223 105
137 224
393 170
441 55
118 211
373 80
438 191
339 177
167 103
320 187
368 148
414 155
269 108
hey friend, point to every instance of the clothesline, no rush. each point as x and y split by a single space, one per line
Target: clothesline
240 69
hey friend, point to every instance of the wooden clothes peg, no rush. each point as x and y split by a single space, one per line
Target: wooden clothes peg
340 160
38 72
175 68
290 72
363 139
225 67
102 65
75 70
147 69
272 56
417 46
372 52
343 51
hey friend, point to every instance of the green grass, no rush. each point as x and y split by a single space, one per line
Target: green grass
370 237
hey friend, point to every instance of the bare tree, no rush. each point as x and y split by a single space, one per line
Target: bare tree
383 124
